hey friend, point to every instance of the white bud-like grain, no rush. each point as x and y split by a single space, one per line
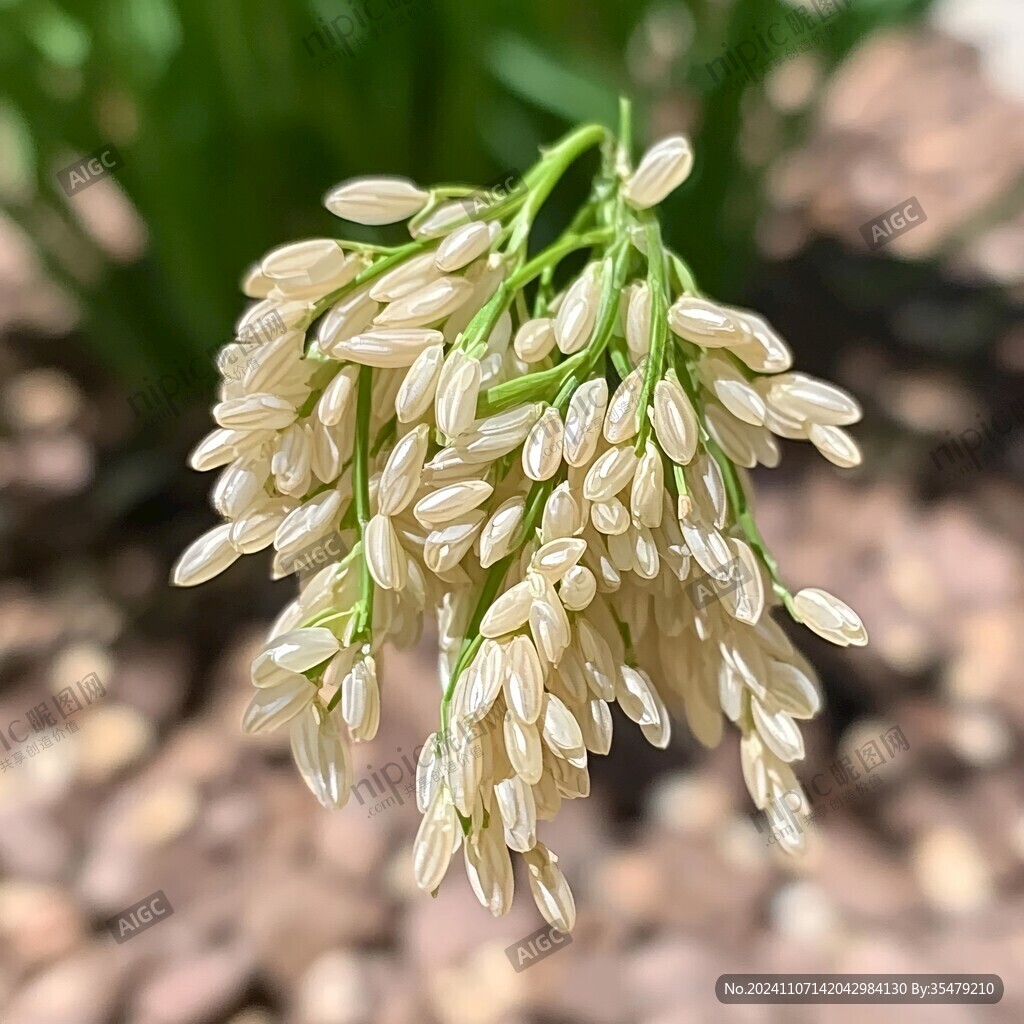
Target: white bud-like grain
535 340
254 412
577 588
609 474
621 421
578 312
275 705
205 557
704 322
663 168
638 321
675 422
419 387
322 756
389 348
583 421
542 449
464 245
376 200
829 617
501 530
338 396
457 392
835 444
385 557
449 502
428 305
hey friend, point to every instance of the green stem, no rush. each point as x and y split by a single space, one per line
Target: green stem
474 338
624 154
627 640
619 355
541 179
495 575
745 519
392 259
361 493
655 369
555 253
536 386
682 490
545 289
684 275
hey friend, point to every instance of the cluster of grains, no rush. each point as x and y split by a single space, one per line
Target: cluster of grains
552 466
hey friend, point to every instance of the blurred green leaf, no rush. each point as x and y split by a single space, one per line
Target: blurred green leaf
61 38
231 131
544 80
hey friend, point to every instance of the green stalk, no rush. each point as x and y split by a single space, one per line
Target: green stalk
745 519
655 369
361 493
684 275
737 498
541 179
537 386
625 131
531 388
585 214
495 575
375 269
474 339
539 182
555 253
618 353
682 490
534 507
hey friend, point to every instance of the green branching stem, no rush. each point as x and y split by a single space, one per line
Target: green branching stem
392 258
474 339
544 175
535 502
361 493
745 519
684 275
537 386
742 513
657 289
495 575
539 182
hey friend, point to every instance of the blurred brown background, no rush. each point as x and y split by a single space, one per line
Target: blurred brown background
283 912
